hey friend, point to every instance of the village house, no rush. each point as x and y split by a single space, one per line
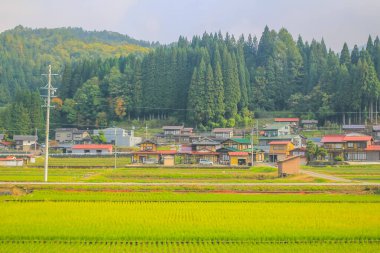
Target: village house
172 130
350 147
279 150
25 142
291 121
148 154
92 149
354 129
124 138
63 135
299 141
309 124
223 133
177 134
376 132
237 143
72 135
277 129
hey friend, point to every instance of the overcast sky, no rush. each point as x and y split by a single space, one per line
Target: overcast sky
337 21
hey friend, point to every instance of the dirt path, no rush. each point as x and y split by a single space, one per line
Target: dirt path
350 183
325 176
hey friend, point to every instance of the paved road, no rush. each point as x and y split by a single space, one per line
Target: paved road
189 184
325 176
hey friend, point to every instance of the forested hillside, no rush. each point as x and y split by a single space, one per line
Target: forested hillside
208 81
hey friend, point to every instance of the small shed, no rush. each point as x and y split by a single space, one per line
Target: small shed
11 161
289 166
168 160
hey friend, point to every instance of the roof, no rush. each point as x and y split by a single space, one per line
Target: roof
286 119
205 141
333 138
289 158
11 158
79 131
66 129
227 149
281 137
240 140
92 146
279 142
255 149
237 153
358 138
172 127
353 127
5 143
25 137
373 148
167 152
222 130
276 126
146 141
309 121
188 129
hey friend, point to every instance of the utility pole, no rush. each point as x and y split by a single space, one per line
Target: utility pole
252 147
115 148
35 141
146 131
50 93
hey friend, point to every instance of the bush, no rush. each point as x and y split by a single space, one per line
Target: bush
338 159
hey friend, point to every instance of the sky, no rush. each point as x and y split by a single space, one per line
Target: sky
337 21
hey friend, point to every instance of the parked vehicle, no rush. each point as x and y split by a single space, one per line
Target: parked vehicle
150 161
205 162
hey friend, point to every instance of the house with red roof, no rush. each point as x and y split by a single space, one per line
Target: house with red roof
351 147
92 149
291 121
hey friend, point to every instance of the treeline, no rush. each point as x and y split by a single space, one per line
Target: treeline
208 81
216 80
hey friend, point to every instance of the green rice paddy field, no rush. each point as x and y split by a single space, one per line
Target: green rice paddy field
50 220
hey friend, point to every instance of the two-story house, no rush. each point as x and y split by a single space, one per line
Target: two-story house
277 129
119 136
223 133
25 142
350 147
237 143
309 124
72 135
279 150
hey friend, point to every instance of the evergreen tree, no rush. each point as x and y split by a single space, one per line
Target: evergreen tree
345 55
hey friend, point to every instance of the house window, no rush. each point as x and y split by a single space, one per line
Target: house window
98 151
86 151
337 146
350 144
362 145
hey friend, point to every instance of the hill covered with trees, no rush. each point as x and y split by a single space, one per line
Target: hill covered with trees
208 81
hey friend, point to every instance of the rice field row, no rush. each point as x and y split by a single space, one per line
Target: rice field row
145 175
173 196
192 221
163 247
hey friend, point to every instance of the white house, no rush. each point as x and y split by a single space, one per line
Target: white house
25 142
123 137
